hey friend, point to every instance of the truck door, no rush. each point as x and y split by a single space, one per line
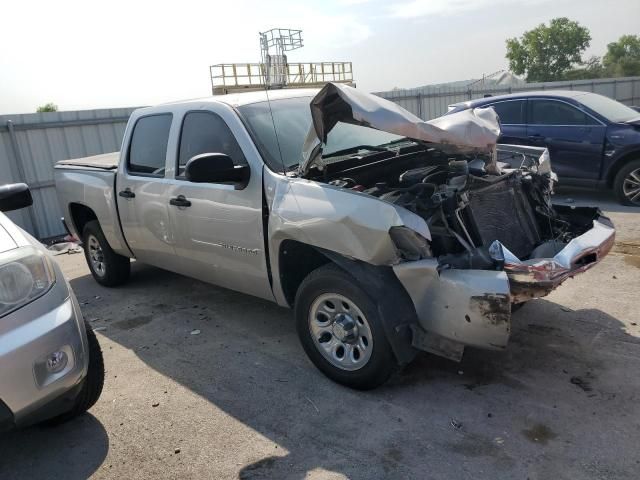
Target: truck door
218 228
574 138
141 190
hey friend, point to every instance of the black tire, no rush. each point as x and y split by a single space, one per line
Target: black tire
331 279
618 183
116 268
93 382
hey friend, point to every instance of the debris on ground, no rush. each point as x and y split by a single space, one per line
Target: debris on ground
62 248
176 451
99 329
195 332
314 405
455 423
155 404
582 383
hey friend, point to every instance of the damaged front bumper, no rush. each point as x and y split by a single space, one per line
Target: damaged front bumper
539 276
464 307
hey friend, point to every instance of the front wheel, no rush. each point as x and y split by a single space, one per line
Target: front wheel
341 331
627 184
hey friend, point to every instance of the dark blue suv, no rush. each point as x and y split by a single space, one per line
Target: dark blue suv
593 140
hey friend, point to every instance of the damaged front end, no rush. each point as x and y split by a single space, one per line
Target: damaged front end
494 237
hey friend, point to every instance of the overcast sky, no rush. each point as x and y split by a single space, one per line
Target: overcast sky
87 54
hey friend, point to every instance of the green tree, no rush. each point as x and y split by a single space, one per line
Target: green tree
546 53
592 68
49 107
623 57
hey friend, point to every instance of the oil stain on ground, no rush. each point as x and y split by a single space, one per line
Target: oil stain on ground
539 433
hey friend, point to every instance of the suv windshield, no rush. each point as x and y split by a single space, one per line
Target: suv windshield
292 118
610 109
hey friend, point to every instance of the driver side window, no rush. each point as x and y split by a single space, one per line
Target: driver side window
206 132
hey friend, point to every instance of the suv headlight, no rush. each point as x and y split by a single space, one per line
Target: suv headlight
25 274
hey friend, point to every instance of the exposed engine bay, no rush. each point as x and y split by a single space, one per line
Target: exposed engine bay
475 205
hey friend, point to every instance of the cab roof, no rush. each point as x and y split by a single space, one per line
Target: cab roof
245 98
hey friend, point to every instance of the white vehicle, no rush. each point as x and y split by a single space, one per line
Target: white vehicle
385 233
50 361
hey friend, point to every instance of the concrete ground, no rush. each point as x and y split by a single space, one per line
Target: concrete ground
240 399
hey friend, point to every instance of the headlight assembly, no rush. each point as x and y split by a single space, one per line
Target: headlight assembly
409 243
25 274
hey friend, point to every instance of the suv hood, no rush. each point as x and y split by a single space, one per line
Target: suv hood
10 235
468 131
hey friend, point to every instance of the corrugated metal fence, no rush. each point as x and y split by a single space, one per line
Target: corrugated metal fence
431 102
30 144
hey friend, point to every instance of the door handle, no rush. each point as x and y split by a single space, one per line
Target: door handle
127 193
180 201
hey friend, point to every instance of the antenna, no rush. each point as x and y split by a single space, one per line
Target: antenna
275 68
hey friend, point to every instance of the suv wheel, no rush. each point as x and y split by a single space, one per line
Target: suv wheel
627 184
341 331
107 267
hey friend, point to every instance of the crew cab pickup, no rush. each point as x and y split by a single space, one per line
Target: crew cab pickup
386 234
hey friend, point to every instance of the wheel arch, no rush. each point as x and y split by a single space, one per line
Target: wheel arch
297 260
619 164
80 216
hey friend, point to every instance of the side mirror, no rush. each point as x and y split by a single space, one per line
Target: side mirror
216 168
14 196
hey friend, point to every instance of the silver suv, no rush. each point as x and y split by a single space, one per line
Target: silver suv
51 364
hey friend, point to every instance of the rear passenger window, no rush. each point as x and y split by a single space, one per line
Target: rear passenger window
551 112
206 132
148 150
511 112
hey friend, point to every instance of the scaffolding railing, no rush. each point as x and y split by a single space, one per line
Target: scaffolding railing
233 77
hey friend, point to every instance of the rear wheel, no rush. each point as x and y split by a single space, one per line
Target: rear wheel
627 184
340 329
107 267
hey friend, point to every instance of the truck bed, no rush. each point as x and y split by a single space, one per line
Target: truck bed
106 161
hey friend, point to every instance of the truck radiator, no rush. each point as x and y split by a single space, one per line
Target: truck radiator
499 209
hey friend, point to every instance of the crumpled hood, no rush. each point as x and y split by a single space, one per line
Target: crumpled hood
473 130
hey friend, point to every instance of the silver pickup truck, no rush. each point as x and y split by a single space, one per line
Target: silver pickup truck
386 234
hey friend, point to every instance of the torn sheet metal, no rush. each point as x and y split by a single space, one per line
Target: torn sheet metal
473 130
538 276
471 307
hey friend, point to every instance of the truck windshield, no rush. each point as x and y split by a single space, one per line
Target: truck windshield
292 118
610 109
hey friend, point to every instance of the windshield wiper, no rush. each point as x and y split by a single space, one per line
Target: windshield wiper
356 149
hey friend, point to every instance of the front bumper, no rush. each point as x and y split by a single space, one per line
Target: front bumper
27 336
539 276
458 308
